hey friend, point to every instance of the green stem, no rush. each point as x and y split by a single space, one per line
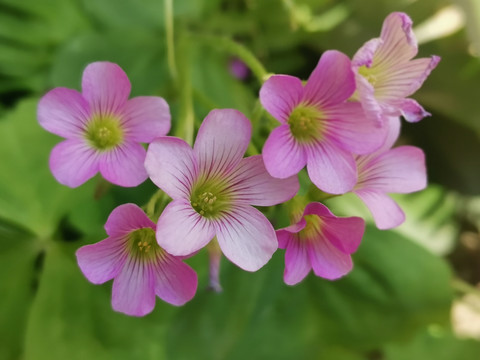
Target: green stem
170 38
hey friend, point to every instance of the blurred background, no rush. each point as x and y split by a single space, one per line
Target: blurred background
414 292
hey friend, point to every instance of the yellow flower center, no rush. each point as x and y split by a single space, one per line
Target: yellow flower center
143 243
210 199
306 123
104 132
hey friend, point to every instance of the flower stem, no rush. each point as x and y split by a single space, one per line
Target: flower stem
170 38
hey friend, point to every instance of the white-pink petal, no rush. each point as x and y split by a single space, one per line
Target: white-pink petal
102 261
106 87
280 94
411 110
386 212
72 162
297 263
146 118
252 184
246 237
172 166
222 141
63 112
181 230
282 155
127 218
123 165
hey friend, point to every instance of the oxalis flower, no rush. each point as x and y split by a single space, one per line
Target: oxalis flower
321 241
386 74
318 127
140 268
213 189
398 170
102 127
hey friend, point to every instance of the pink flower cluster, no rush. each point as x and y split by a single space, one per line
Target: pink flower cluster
341 125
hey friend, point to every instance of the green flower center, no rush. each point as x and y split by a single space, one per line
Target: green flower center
104 132
312 228
143 243
210 199
306 123
368 73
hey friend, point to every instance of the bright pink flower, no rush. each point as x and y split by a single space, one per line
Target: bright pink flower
102 127
318 127
139 267
386 74
321 241
398 170
213 189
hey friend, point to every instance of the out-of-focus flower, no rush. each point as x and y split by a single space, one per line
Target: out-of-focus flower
386 74
238 69
321 241
318 127
213 189
140 268
103 129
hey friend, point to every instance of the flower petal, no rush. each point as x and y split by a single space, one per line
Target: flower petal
297 263
123 165
398 170
127 218
370 104
332 81
175 282
102 261
106 87
280 94
253 185
350 129
246 237
181 230
63 112
330 168
285 235
328 261
364 55
133 291
73 162
172 166
282 155
411 110
146 118
345 233
222 141
386 213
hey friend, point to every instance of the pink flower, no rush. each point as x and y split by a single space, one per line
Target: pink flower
321 241
386 74
318 127
398 170
140 268
103 129
213 189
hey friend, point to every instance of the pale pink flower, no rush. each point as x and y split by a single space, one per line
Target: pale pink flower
213 188
103 129
320 241
318 128
140 268
386 75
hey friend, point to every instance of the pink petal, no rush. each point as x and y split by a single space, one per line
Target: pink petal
297 263
63 112
222 141
350 129
399 170
175 282
181 230
327 261
285 235
399 42
246 237
252 184
73 162
172 166
330 168
282 155
371 106
386 213
146 118
331 82
106 87
102 261
364 55
126 218
280 94
393 125
123 165
133 291
345 233
411 110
